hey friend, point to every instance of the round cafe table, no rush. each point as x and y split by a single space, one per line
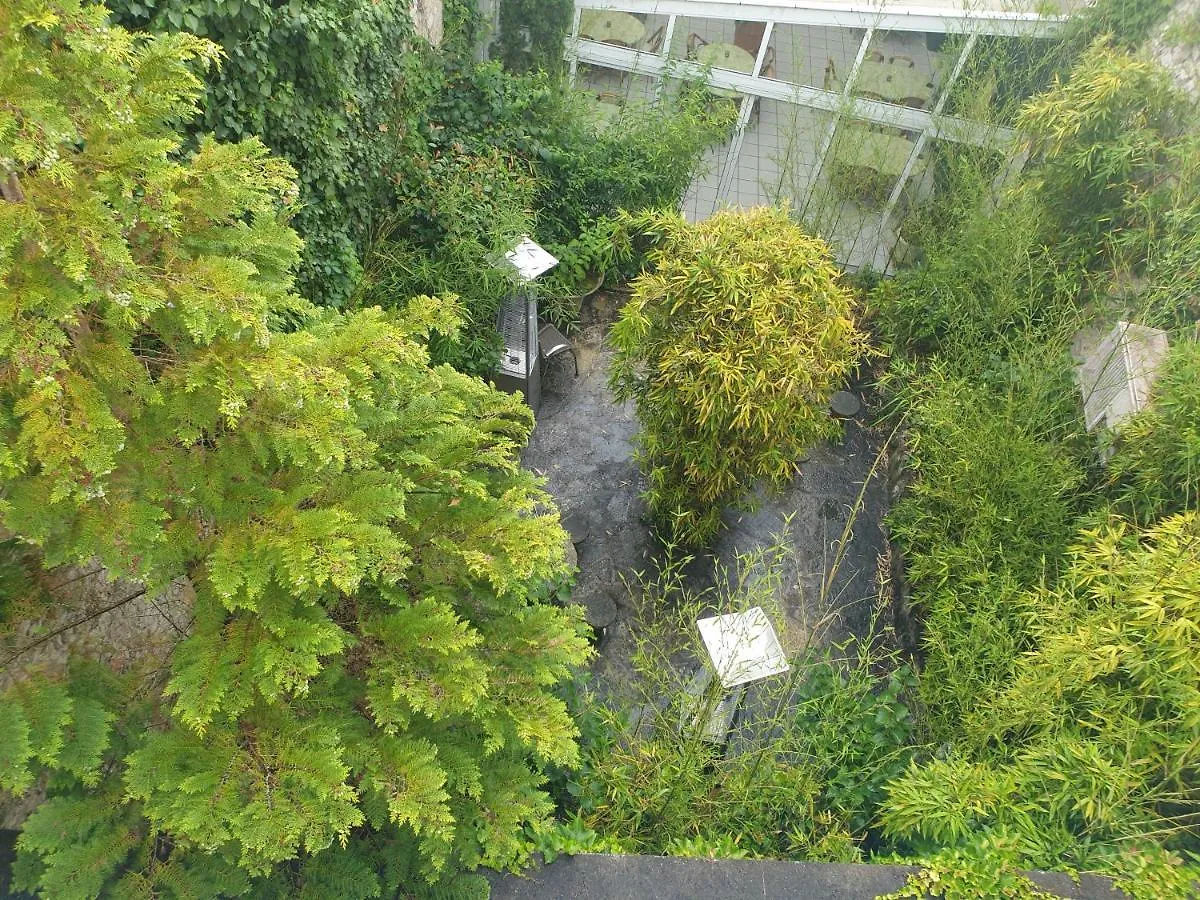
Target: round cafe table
611 26
603 112
893 83
725 56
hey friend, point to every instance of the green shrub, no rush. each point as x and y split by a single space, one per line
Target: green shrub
479 206
494 156
1155 470
983 277
1058 682
532 34
361 696
988 513
730 347
645 159
316 81
1098 141
1087 755
1157 257
1128 21
989 491
804 769
855 726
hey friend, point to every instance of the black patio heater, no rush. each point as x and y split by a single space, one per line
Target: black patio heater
519 370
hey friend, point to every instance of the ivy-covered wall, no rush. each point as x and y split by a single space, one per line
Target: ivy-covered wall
318 81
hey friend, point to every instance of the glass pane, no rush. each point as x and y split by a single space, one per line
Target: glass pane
777 162
811 55
999 75
865 160
847 203
900 68
609 91
701 199
779 154
638 31
720 43
955 178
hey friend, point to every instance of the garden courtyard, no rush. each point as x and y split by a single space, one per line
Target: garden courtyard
829 526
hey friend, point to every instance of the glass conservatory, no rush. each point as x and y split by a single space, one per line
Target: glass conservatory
842 107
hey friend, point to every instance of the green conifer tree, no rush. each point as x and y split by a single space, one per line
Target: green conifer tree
363 699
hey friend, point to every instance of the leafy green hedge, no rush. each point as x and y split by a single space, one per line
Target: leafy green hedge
492 156
531 34
989 514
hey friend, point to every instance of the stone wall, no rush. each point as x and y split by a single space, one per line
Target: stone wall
109 620
1176 45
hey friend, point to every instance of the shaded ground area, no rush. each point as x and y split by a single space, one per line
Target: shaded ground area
583 444
830 514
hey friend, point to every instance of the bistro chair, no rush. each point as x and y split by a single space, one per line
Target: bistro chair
552 343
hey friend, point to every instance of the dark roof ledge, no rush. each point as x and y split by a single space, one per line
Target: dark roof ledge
603 877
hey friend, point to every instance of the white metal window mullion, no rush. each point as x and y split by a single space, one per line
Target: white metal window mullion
664 53
848 15
919 146
827 141
669 35
904 117
735 147
572 48
743 119
762 49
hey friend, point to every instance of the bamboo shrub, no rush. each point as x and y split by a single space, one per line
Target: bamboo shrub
735 338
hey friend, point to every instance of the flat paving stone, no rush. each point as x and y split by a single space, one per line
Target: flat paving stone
845 405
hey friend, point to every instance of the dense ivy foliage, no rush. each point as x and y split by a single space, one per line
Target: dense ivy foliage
361 700
531 34
318 82
495 156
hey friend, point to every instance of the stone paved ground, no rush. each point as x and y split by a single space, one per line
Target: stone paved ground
1176 45
583 444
